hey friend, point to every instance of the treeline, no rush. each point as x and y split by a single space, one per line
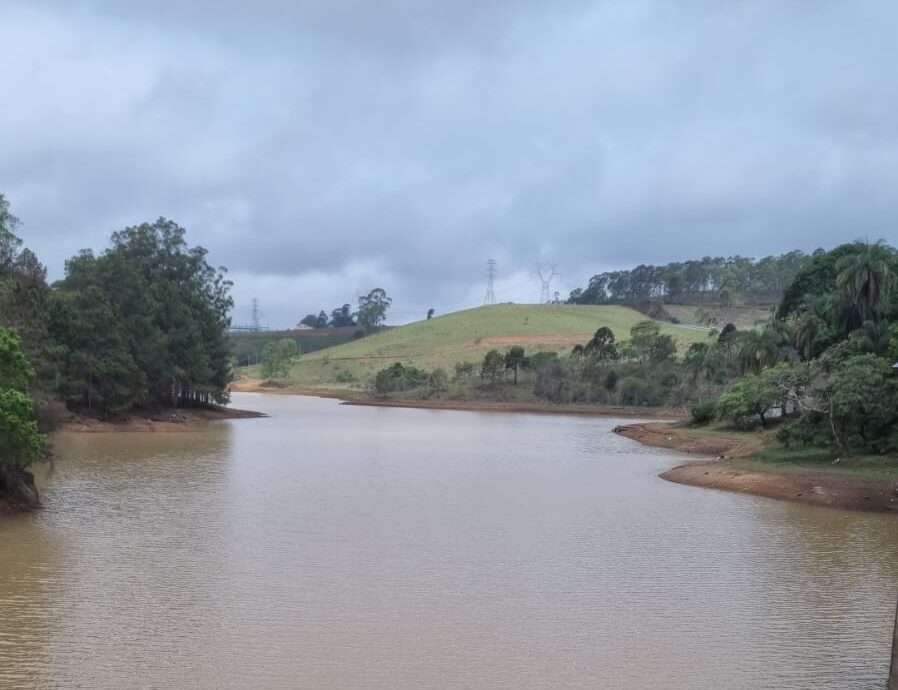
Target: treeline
711 279
370 315
340 317
143 323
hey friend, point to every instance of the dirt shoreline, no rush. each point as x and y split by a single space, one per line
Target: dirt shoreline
531 408
361 398
168 421
732 471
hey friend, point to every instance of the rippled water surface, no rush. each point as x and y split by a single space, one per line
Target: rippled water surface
348 547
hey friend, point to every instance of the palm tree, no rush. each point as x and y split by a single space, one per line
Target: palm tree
865 278
758 350
808 330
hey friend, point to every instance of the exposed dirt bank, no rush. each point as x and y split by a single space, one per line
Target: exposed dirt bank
531 407
735 470
351 396
157 421
687 440
816 488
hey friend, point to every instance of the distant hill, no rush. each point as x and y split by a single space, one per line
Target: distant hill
465 336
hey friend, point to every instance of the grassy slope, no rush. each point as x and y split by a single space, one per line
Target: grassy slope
743 317
871 467
467 335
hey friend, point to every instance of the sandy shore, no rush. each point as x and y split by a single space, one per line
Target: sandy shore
733 470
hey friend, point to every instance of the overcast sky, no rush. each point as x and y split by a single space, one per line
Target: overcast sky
321 148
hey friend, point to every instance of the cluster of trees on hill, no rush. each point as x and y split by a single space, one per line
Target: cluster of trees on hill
711 279
370 315
822 366
145 322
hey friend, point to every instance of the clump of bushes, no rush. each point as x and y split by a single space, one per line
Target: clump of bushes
397 378
464 371
438 381
703 412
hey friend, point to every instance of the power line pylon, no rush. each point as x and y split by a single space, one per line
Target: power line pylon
490 297
547 274
257 326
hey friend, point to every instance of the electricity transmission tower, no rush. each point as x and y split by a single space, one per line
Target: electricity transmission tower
256 324
490 297
547 274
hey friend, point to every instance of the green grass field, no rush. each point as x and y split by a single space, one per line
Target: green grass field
743 317
874 467
465 336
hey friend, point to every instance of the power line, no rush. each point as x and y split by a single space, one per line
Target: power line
490 297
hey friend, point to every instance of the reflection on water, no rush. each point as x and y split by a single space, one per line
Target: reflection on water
350 547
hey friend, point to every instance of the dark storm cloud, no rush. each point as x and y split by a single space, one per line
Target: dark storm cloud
319 148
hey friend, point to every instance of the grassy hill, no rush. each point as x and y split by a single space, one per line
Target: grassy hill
467 336
744 317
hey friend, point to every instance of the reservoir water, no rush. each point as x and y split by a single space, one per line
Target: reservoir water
333 546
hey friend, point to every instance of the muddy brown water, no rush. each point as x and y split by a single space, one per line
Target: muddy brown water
356 547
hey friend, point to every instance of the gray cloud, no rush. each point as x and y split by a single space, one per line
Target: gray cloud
321 148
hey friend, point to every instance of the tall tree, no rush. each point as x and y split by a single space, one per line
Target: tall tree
865 278
515 359
341 317
373 309
173 309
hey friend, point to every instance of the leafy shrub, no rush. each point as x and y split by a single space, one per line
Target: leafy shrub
638 391
345 377
464 371
397 377
551 383
539 360
748 401
863 395
811 429
493 367
438 381
703 412
20 441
